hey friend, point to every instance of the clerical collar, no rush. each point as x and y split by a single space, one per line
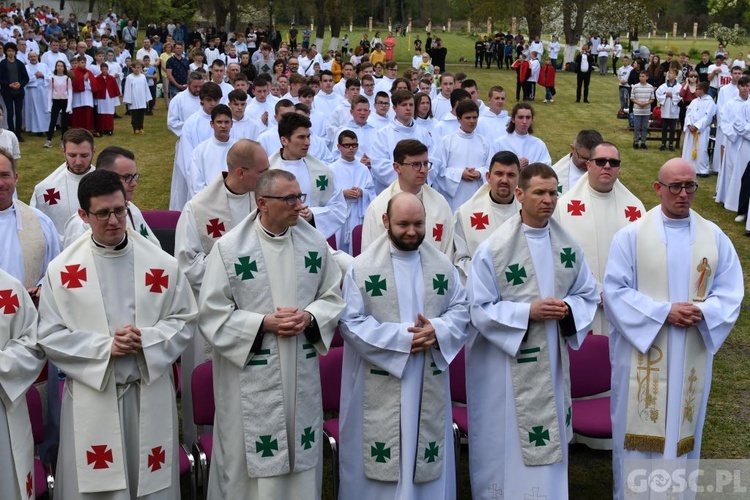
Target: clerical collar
269 233
492 198
281 153
119 246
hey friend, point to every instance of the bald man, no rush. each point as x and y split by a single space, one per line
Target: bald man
396 438
672 293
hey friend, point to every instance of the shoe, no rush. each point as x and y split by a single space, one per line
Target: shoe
671 148
136 132
545 100
578 100
48 144
96 133
740 218
747 233
635 145
643 145
117 117
110 133
20 138
663 148
551 100
586 101
149 113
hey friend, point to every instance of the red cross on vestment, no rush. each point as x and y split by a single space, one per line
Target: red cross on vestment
99 456
9 302
437 232
73 276
51 196
480 220
156 458
156 279
632 213
215 228
576 207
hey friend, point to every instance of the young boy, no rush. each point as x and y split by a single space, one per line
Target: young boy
642 95
107 99
243 127
241 83
668 97
84 86
547 80
359 190
137 96
151 77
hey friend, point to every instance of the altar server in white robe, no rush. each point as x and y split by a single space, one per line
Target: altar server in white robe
22 361
209 158
210 214
412 168
672 293
114 316
462 157
493 119
727 92
519 139
594 210
571 167
57 195
122 162
492 204
35 113
700 113
356 185
196 129
359 114
531 296
405 321
186 103
736 157
400 128
449 122
243 127
266 336
326 208
269 136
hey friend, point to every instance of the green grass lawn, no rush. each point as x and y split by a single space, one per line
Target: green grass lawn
726 433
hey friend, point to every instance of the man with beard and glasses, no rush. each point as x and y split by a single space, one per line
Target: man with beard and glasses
405 321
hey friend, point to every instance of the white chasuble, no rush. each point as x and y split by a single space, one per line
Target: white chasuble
20 364
592 219
498 434
395 406
639 319
57 196
567 174
274 449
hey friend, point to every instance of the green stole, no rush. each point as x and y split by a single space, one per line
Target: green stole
647 391
261 392
533 384
373 272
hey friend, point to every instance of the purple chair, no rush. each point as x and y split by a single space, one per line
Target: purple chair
330 384
44 481
163 224
187 466
590 383
202 385
338 340
332 242
357 240
457 372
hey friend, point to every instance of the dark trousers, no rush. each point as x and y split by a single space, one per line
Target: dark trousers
742 207
478 58
14 107
136 118
508 61
668 125
150 105
583 79
488 56
59 107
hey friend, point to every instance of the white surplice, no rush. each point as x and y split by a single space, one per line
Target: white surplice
386 139
196 129
57 196
525 146
349 175
699 113
208 159
456 152
12 258
636 319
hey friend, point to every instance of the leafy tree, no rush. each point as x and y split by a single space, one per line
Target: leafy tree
726 36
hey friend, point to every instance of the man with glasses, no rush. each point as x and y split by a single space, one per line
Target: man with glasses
391 73
412 167
326 208
270 303
122 162
114 316
672 293
594 209
572 166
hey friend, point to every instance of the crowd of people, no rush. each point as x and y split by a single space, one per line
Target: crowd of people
435 224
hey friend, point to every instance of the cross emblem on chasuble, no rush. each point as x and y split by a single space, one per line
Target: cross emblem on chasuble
632 213
375 286
215 228
9 302
156 279
479 220
51 196
576 207
73 276
99 456
156 458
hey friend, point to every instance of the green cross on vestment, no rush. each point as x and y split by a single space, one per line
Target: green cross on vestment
515 274
244 268
440 284
375 286
431 452
380 452
313 262
144 231
266 445
568 257
538 435
321 182
308 438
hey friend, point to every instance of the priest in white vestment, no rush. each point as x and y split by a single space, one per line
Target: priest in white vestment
673 289
700 113
114 316
596 208
405 321
22 361
209 158
571 167
35 114
194 130
266 336
326 208
411 168
492 204
122 162
531 295
462 157
519 139
355 180
210 214
57 195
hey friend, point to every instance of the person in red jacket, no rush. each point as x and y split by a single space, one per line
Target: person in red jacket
547 80
84 86
523 72
107 97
